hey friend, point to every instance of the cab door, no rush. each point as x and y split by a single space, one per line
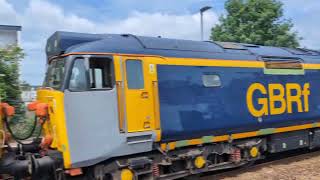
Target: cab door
139 106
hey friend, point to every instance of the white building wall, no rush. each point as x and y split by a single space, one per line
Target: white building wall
8 38
29 96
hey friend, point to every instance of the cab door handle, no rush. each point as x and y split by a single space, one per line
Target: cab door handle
144 95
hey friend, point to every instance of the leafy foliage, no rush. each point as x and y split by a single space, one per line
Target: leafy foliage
9 73
258 22
10 92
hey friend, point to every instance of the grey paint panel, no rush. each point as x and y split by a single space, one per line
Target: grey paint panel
118 149
93 129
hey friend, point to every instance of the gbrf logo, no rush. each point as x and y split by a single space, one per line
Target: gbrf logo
282 95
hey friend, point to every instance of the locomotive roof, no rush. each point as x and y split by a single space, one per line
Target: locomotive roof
68 42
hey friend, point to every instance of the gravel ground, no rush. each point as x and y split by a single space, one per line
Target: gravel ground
300 168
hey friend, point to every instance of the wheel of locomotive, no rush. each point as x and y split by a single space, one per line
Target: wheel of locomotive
248 164
88 174
96 173
127 174
192 177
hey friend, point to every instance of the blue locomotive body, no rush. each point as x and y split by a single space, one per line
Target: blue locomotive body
189 109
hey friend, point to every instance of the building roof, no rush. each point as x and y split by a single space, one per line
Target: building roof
10 28
68 42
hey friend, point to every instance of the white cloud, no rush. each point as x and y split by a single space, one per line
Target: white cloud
42 18
165 25
47 17
305 16
7 13
302 6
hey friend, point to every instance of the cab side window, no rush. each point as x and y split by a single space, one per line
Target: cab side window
95 74
134 74
100 73
78 79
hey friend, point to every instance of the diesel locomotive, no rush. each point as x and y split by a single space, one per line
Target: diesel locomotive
131 107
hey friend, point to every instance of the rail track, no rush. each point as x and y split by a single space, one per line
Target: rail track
276 159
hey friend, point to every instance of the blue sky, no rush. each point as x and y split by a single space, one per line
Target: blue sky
168 18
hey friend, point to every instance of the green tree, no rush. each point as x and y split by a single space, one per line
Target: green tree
25 86
258 22
10 92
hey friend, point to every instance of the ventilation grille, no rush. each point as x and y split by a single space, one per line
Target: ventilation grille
230 45
282 63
